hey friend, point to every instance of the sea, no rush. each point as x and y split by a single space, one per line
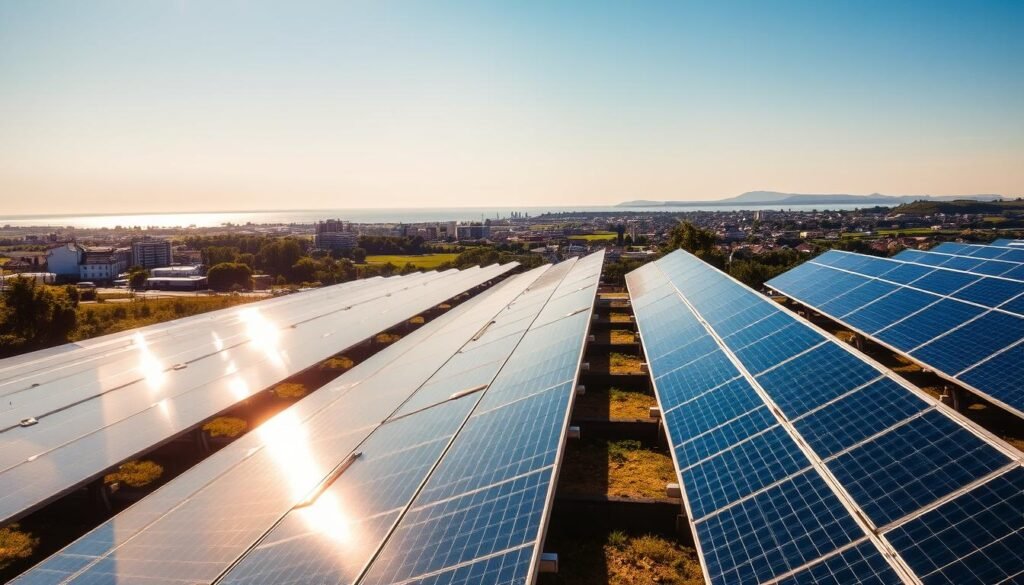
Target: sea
307 216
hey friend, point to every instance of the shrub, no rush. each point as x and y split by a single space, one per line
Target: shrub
387 337
337 363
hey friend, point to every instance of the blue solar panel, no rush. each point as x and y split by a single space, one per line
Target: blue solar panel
761 507
814 378
886 311
862 564
775 531
924 326
857 416
972 342
975 538
913 465
742 470
990 292
944 282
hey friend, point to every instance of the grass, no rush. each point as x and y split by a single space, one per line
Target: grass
620 317
623 336
290 390
135 474
337 363
101 319
620 363
618 558
426 261
615 468
906 365
387 337
417 320
15 544
626 404
226 426
596 237
614 403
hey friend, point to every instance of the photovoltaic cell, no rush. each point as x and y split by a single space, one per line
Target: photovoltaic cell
958 336
771 488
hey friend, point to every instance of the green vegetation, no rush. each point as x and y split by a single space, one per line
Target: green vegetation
622 336
628 404
424 261
290 390
616 317
35 316
615 468
619 558
15 545
230 276
226 426
135 474
752 271
620 363
104 318
959 206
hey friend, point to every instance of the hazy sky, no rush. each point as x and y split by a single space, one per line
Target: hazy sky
217 105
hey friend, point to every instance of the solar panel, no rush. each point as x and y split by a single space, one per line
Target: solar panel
955 261
1006 253
243 498
1009 243
122 398
968 327
799 458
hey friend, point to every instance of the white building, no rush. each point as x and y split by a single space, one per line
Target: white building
176 271
151 253
103 264
64 260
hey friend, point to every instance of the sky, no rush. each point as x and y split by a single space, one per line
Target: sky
146 106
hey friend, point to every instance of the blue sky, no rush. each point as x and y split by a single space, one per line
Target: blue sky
164 106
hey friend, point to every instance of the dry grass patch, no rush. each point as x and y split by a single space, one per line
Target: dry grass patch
417 320
135 474
847 336
337 363
444 306
226 426
290 390
617 558
623 336
620 363
617 317
15 544
906 366
386 338
615 468
626 404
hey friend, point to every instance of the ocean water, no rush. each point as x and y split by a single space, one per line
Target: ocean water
407 215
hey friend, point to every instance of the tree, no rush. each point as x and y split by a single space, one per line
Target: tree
359 255
697 241
277 257
304 270
137 277
227 274
35 316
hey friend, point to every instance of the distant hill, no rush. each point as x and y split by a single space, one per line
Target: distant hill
783 199
959 206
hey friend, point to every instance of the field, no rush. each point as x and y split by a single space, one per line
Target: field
598 237
103 318
426 261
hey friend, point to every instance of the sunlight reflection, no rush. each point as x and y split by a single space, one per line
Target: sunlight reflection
262 333
150 367
287 442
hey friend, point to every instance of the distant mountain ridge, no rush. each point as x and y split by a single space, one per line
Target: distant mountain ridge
776 198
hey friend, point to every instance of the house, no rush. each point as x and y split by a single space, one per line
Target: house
64 260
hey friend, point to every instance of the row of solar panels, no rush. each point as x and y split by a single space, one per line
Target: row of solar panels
69 414
1009 243
802 461
433 461
966 325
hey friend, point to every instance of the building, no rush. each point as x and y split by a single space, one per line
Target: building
176 283
472 232
103 264
64 260
38 277
150 253
335 234
179 271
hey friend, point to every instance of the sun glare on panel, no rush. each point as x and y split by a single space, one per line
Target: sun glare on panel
149 366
